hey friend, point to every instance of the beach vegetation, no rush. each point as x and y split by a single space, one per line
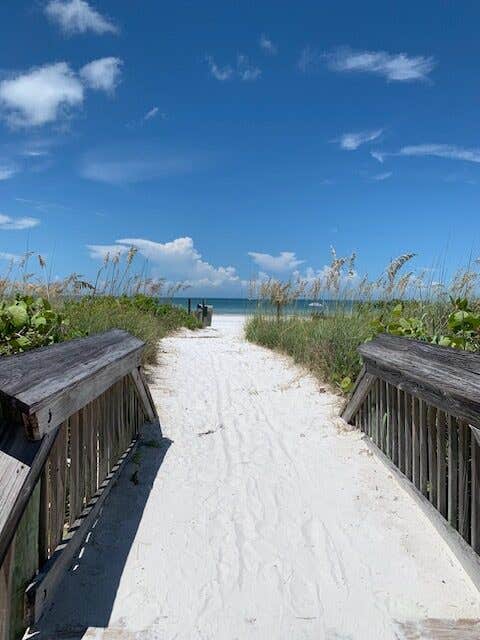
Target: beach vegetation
348 310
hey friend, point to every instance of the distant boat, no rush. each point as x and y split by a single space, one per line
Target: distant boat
316 304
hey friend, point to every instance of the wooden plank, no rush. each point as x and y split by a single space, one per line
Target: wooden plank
75 498
475 489
376 396
362 387
452 471
423 448
65 403
86 432
407 420
25 563
463 480
415 406
388 391
442 463
6 570
146 386
93 447
382 421
35 376
446 378
432 453
44 514
401 429
145 397
394 419
21 463
58 467
41 590
102 445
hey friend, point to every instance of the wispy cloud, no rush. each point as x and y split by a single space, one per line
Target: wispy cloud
351 141
450 151
77 16
379 177
246 71
267 45
395 67
378 155
137 164
308 59
285 261
8 223
219 73
7 172
10 257
45 94
178 260
102 74
243 70
151 114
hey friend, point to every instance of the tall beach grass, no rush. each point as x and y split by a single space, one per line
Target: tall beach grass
400 301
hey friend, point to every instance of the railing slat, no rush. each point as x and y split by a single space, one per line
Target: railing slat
401 429
423 448
452 471
407 413
463 480
58 468
442 463
416 442
475 492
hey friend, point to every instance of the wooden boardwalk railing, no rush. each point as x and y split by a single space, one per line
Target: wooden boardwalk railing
419 404
69 419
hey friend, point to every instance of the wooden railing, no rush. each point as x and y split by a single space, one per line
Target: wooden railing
420 406
70 417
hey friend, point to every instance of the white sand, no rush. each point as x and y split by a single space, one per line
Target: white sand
277 523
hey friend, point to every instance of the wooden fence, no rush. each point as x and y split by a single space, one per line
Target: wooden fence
419 404
69 419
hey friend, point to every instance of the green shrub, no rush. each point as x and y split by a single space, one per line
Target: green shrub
141 316
27 322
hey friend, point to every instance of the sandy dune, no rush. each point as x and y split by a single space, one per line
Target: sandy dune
266 518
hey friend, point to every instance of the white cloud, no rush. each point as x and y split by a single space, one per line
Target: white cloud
7 171
176 261
382 176
134 169
243 70
17 224
450 151
40 95
102 74
267 45
44 94
285 261
151 114
396 67
77 16
351 141
378 155
308 59
219 73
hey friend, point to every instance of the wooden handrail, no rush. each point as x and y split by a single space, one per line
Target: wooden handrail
418 405
70 415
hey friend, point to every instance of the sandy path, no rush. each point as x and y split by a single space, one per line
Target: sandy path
265 520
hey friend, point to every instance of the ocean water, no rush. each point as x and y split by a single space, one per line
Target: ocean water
243 306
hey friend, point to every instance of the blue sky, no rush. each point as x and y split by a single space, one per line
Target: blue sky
226 139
